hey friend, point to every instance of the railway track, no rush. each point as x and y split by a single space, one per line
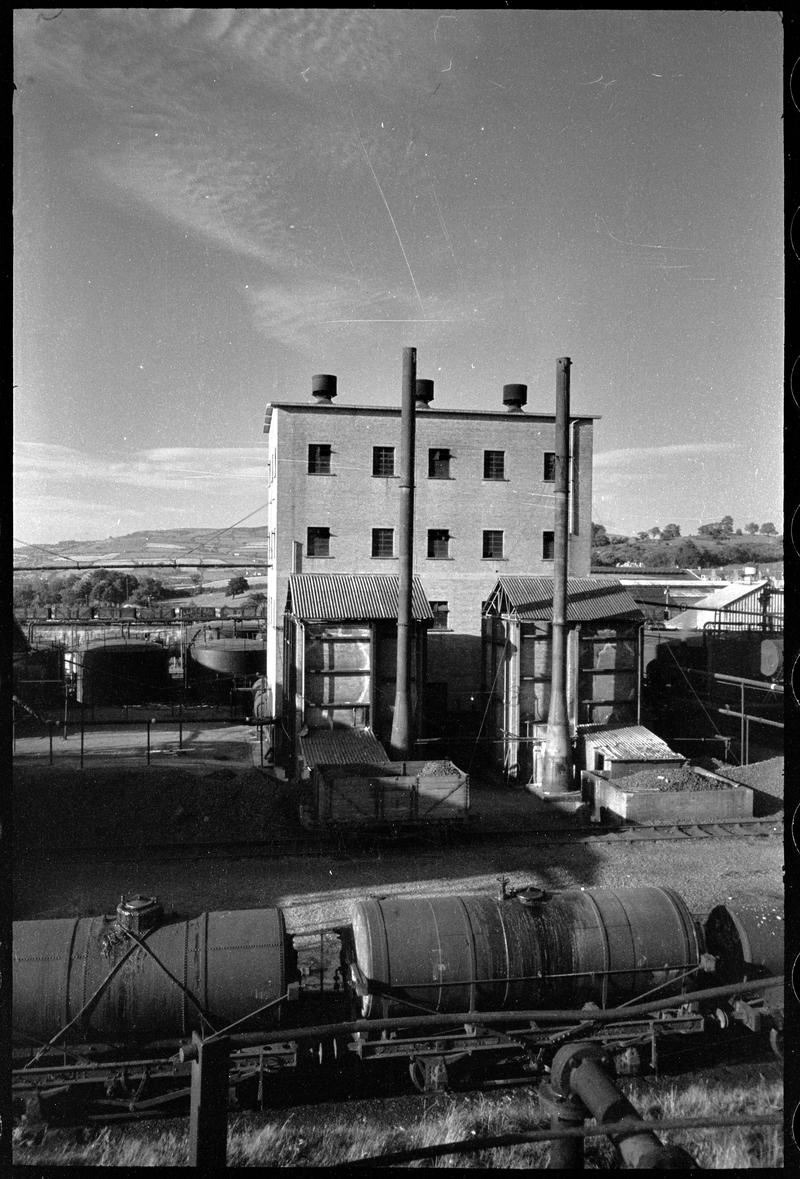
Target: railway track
318 844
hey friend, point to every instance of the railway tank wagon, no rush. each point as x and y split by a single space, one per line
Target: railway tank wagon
482 953
132 980
119 995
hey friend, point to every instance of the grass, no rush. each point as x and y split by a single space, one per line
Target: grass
328 1134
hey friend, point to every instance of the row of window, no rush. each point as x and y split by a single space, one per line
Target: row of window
439 462
318 543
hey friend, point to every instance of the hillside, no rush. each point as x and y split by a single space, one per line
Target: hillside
206 546
690 552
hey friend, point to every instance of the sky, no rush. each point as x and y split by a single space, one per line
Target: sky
213 205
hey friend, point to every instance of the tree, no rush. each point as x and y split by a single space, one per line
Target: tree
237 585
149 589
599 536
655 533
751 529
769 529
670 532
715 531
688 554
726 524
642 535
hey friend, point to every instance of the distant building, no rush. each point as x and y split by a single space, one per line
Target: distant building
483 509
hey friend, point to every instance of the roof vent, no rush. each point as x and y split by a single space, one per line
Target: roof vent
423 394
514 397
323 388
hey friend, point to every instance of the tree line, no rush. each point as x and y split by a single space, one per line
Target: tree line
109 587
610 549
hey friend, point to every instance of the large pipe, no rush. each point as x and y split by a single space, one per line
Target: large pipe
400 741
557 774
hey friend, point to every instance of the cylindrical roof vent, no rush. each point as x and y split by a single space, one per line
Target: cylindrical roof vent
423 393
323 388
514 397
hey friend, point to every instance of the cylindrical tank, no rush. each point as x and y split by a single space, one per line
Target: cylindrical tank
230 962
482 953
747 940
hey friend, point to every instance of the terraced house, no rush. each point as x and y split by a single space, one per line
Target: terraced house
483 509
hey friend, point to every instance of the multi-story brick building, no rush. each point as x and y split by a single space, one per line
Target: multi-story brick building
483 508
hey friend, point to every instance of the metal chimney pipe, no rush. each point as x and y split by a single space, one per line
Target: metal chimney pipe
400 741
557 774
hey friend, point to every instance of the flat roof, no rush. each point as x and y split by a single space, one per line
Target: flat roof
394 411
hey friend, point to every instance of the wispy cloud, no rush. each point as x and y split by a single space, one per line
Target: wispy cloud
169 469
238 125
642 457
63 491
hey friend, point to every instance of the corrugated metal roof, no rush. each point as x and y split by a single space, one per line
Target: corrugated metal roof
588 598
723 602
351 597
631 743
329 747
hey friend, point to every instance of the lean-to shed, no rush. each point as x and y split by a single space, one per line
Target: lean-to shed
340 657
603 653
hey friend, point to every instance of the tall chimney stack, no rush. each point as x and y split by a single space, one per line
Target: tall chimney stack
558 770
400 742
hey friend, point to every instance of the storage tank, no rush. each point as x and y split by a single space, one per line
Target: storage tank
483 953
229 962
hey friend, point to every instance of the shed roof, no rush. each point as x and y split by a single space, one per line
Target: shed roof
588 599
722 601
342 747
351 597
629 743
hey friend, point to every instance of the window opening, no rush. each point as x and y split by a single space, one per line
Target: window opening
494 464
319 458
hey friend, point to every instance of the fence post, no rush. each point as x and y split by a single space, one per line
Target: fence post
50 735
148 740
180 725
208 1114
83 728
261 739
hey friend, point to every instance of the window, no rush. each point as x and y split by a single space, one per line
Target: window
493 543
383 542
440 613
548 546
438 463
494 462
319 458
438 543
549 474
318 543
383 462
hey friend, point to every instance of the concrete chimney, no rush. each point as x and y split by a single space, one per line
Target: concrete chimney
323 388
401 740
514 397
558 769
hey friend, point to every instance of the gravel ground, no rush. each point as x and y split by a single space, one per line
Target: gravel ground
121 810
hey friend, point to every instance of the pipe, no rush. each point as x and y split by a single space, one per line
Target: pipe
400 741
640 1149
557 773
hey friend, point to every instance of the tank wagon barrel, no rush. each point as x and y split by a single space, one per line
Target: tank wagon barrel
481 953
102 982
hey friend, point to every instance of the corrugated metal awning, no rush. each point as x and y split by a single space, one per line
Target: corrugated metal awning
336 747
631 743
351 597
530 599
